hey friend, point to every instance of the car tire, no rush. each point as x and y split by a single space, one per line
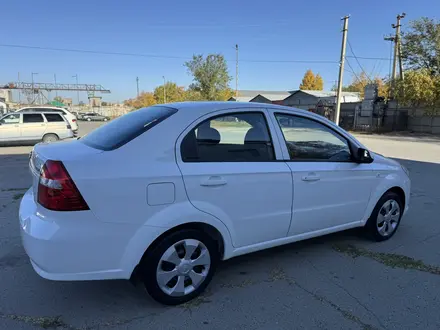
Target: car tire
48 138
89 119
105 119
168 271
385 218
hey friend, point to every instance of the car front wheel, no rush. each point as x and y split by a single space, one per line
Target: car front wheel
89 119
386 217
180 267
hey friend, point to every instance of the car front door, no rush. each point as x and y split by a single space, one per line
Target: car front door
10 127
330 189
33 127
230 170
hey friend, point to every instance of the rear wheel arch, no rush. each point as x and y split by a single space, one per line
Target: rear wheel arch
47 135
205 228
212 232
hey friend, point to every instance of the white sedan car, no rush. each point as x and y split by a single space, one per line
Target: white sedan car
164 193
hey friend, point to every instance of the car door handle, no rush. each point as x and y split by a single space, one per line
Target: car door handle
311 177
213 181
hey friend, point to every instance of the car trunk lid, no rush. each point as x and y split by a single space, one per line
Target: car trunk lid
59 151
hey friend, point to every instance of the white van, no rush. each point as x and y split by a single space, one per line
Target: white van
34 127
71 118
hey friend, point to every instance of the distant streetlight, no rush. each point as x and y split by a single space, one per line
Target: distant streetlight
77 92
164 91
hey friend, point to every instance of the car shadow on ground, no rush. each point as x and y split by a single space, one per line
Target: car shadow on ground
99 295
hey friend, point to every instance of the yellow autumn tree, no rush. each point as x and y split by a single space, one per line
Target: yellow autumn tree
308 81
144 99
361 80
319 83
312 81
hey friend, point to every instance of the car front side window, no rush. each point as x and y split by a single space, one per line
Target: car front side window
309 140
233 137
11 119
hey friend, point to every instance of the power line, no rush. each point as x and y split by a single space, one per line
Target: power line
352 70
370 58
86 51
357 60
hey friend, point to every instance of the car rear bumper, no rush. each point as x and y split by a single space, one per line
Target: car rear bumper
69 246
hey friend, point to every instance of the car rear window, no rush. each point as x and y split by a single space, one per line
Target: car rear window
124 129
53 117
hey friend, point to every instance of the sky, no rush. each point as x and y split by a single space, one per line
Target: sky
268 33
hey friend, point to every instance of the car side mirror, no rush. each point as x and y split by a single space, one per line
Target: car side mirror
363 156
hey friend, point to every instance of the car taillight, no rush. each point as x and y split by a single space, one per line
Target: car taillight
73 120
56 189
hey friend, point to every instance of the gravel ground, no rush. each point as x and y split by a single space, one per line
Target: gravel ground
339 281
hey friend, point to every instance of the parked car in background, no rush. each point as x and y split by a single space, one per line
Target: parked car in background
71 118
93 116
200 182
30 127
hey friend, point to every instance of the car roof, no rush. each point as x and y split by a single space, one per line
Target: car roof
42 107
205 107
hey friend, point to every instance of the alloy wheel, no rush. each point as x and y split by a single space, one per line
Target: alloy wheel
183 267
388 217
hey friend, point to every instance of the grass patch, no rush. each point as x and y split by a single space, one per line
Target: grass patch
15 189
388 259
16 197
42 322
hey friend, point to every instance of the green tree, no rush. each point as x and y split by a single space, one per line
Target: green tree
419 89
193 95
173 93
421 45
58 99
210 75
312 82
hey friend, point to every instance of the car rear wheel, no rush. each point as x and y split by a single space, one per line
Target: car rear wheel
89 119
386 217
105 119
48 138
179 267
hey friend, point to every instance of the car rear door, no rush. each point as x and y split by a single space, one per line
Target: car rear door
10 127
56 124
229 165
330 189
33 127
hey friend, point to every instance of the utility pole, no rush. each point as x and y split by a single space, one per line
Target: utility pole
400 59
19 91
341 69
137 86
55 80
77 93
164 91
236 70
396 52
33 90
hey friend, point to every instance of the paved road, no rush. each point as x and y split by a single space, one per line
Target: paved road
339 281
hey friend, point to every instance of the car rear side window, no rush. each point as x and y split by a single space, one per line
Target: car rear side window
124 129
53 117
32 118
234 137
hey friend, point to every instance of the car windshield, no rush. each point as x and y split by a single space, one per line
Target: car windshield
124 129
